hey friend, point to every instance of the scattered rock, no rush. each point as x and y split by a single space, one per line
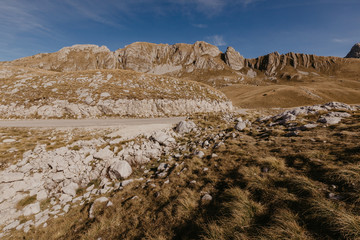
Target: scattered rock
70 189
163 138
31 209
240 126
185 127
126 182
199 154
329 120
206 198
104 154
120 170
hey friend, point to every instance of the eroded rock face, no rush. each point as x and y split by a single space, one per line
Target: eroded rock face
74 58
164 58
354 52
234 59
274 62
138 56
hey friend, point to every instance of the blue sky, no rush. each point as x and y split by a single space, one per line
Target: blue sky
252 27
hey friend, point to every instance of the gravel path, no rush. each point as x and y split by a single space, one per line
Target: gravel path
71 123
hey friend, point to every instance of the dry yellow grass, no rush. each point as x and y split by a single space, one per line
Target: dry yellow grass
263 187
40 87
27 139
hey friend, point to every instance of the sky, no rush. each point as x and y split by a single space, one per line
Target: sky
252 27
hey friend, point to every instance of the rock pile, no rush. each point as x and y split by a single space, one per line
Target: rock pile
330 118
58 175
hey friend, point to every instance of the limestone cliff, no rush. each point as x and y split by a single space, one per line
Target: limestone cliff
272 63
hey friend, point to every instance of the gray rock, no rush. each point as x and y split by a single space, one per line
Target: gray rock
104 154
199 154
234 59
12 225
120 170
42 195
162 167
126 182
240 126
7 177
31 209
58 177
185 127
70 189
162 138
308 126
206 198
329 120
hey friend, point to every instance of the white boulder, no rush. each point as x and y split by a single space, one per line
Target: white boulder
120 170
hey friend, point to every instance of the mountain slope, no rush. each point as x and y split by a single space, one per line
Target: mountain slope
99 93
323 78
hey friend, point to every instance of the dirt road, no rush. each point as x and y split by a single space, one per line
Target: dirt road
73 123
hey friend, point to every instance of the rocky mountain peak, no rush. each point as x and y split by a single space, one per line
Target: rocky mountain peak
354 52
204 48
234 59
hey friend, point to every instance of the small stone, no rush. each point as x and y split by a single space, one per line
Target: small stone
162 167
240 126
42 195
70 189
199 154
206 198
126 182
185 127
66 208
11 225
31 209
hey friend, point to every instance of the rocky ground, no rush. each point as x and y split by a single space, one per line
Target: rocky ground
213 176
27 93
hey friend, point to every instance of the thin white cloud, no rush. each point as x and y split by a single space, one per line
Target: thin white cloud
247 2
216 40
200 25
18 16
341 40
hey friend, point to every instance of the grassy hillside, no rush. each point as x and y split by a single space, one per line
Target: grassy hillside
264 185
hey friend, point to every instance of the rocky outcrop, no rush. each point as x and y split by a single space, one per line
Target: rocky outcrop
272 63
164 58
74 58
354 52
57 175
138 56
120 108
189 60
234 59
